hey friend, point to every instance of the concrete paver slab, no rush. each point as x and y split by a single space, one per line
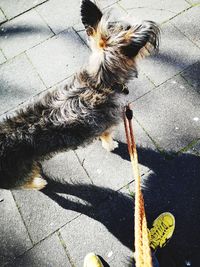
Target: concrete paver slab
12 8
107 232
22 33
188 23
172 57
139 87
48 253
59 57
170 5
192 76
14 236
60 14
105 3
56 206
19 81
113 169
168 114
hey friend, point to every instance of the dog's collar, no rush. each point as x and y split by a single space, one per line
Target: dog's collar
121 87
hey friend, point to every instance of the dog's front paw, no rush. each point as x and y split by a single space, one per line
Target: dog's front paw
37 183
110 146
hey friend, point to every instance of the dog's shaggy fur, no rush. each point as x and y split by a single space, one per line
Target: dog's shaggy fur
82 110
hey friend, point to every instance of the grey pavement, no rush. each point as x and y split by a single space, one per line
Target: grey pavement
88 203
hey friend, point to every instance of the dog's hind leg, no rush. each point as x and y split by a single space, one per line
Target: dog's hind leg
35 180
107 141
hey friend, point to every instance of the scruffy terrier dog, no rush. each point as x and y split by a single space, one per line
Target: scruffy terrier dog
85 109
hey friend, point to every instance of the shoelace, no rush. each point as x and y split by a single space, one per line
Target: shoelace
158 235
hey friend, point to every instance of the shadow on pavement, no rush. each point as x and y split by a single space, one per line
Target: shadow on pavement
171 185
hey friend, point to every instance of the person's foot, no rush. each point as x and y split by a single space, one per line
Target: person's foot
162 230
92 260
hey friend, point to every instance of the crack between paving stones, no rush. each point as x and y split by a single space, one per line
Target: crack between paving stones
4 15
147 7
43 239
76 32
172 77
108 6
43 19
32 98
166 155
19 210
82 165
132 181
189 146
107 198
161 150
190 3
29 60
3 56
6 19
22 12
181 12
122 7
185 79
63 244
187 37
47 39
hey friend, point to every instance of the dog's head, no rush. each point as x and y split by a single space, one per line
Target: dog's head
118 43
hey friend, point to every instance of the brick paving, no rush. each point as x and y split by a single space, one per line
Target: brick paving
88 204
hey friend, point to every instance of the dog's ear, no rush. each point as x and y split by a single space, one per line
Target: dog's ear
145 36
131 50
90 16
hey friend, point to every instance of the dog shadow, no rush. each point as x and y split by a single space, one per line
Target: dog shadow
171 185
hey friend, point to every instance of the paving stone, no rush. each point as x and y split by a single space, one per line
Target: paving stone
103 167
169 114
139 87
192 76
23 33
113 169
49 252
14 237
2 17
67 193
176 54
29 101
71 54
154 14
107 232
188 23
19 81
12 8
60 14
2 58
105 3
82 34
170 5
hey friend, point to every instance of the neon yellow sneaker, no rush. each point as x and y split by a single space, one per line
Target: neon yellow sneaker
92 260
162 230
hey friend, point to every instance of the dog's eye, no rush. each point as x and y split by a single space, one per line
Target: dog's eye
128 27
